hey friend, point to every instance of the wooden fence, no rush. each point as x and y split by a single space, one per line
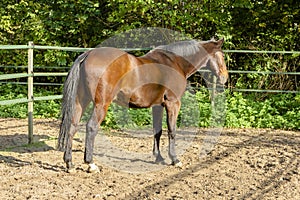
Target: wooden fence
30 76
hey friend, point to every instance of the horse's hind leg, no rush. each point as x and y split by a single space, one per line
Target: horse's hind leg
72 131
92 127
157 115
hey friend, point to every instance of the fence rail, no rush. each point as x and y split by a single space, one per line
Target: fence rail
30 75
79 49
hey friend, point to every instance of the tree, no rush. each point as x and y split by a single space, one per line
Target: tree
252 24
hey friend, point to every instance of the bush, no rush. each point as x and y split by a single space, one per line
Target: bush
42 109
280 111
275 111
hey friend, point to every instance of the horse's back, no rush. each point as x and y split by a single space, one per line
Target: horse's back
103 57
103 68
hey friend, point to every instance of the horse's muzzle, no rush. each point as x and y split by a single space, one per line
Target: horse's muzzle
223 77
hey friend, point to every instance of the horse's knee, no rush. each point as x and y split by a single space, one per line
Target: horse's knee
92 127
172 135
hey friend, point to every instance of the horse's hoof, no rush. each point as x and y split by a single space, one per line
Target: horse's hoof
93 168
71 170
160 160
177 163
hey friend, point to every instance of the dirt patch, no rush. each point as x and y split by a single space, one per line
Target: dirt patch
244 164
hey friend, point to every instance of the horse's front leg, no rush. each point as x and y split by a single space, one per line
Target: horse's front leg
172 108
157 115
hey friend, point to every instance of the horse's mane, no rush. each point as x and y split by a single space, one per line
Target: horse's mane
181 48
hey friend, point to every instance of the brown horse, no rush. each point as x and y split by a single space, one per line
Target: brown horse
157 79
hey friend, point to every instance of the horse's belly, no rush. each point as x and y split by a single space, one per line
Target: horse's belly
143 97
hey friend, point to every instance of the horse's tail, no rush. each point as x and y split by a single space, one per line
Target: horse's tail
68 101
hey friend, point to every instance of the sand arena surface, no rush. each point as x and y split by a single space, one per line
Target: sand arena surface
244 164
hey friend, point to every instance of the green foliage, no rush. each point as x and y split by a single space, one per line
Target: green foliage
189 113
275 111
232 110
265 25
42 109
196 19
119 117
250 25
122 117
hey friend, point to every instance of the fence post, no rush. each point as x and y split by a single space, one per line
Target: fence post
30 92
213 92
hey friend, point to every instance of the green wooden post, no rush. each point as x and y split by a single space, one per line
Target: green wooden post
30 93
213 93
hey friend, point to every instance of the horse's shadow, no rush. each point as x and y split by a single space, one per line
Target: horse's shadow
267 185
12 161
18 143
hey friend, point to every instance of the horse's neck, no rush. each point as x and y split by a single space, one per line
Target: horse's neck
188 65
193 64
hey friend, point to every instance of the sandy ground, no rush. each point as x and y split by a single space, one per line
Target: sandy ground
243 164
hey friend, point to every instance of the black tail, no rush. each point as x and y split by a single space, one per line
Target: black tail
68 101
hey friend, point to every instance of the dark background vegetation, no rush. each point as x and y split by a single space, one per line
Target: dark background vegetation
246 25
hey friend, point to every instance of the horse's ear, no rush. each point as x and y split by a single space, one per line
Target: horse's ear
220 42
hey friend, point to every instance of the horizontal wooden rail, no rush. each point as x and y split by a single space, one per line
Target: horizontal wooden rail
13 76
81 49
50 74
31 74
13 101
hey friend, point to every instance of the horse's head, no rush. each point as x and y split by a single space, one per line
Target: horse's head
216 62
